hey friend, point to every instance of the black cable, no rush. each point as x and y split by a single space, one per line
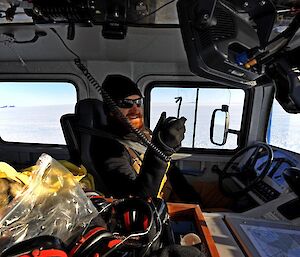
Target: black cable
149 14
115 110
109 101
65 45
195 118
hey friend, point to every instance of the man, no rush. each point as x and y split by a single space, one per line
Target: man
124 171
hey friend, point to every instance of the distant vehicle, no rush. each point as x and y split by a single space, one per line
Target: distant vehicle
7 106
230 67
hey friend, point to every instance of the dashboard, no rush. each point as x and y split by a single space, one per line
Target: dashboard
274 199
273 184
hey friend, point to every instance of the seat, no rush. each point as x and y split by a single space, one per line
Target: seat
68 122
89 115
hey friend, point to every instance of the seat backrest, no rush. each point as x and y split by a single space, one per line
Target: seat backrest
68 122
89 114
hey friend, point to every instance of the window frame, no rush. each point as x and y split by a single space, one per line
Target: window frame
47 78
246 113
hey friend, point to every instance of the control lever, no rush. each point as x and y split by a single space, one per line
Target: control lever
292 177
291 209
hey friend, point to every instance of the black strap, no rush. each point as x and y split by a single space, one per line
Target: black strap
137 147
96 132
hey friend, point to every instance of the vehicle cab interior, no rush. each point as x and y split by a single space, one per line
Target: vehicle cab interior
231 68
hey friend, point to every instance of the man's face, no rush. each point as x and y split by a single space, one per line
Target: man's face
132 110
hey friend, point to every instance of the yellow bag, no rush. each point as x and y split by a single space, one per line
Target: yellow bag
53 203
7 171
12 181
85 179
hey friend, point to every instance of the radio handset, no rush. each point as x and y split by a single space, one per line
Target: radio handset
115 110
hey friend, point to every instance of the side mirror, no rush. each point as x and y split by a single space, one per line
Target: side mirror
219 125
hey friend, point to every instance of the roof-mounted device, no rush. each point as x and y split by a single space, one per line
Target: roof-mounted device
113 15
234 41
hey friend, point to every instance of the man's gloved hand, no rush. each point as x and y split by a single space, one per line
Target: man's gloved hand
169 133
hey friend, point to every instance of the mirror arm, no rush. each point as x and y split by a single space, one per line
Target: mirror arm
233 131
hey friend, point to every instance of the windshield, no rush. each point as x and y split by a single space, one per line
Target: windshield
197 105
283 129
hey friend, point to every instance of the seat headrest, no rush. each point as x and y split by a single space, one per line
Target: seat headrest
91 113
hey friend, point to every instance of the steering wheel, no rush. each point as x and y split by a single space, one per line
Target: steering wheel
247 174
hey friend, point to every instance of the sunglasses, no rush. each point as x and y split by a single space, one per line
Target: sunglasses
128 103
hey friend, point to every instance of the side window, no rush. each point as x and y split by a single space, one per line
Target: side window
283 129
30 111
197 105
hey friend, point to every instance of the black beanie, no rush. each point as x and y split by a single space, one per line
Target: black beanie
119 86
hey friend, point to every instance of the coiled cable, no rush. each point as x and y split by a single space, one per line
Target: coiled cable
109 101
115 110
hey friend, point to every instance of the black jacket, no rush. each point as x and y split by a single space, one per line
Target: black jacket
114 164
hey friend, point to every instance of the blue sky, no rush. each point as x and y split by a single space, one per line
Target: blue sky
37 93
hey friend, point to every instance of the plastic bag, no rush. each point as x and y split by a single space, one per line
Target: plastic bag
80 173
52 204
11 183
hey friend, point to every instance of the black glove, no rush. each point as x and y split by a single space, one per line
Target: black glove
169 133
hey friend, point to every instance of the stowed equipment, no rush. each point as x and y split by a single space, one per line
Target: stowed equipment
131 226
